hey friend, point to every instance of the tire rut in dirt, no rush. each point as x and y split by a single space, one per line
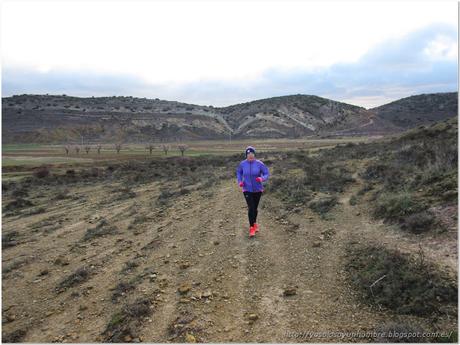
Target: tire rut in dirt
200 268
268 269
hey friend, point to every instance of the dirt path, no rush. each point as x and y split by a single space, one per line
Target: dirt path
234 287
247 278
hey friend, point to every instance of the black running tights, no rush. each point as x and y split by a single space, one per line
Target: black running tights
252 199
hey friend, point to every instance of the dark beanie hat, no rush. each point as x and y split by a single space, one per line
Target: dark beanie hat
250 149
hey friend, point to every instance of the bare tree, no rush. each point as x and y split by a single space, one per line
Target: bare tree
165 148
99 147
150 147
118 147
87 148
182 148
77 149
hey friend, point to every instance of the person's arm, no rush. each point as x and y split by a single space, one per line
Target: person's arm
239 174
265 173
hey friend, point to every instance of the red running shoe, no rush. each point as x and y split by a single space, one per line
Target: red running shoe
256 226
252 231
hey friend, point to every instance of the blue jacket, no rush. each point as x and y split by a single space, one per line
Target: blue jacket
247 172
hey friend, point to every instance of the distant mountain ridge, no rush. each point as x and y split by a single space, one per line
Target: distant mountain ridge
66 119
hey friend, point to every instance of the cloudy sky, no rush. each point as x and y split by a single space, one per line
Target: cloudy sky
221 53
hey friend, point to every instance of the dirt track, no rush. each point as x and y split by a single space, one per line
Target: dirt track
200 243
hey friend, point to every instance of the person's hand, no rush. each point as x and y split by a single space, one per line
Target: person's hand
241 184
259 179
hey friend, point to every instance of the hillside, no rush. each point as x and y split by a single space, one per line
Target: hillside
420 109
299 115
61 118
46 118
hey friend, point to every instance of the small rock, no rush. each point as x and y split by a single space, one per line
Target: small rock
10 317
207 294
290 291
253 317
127 338
183 289
316 244
190 338
184 265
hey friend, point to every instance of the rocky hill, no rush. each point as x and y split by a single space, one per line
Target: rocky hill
299 115
61 118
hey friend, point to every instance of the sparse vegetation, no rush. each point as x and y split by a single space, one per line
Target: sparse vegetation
121 289
18 203
117 215
395 207
124 323
79 276
9 239
101 229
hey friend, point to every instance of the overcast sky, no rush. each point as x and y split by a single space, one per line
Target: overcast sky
221 53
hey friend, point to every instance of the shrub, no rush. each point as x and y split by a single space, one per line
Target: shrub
102 229
15 336
18 204
418 222
293 190
79 276
122 288
394 207
323 205
41 172
9 239
124 322
409 285
353 200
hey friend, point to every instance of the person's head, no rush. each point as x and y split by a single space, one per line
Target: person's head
250 153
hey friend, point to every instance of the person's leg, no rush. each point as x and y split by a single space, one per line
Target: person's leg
250 201
256 199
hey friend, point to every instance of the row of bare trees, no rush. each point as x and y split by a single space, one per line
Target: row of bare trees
77 148
165 147
118 147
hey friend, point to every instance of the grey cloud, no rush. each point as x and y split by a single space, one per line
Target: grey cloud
393 69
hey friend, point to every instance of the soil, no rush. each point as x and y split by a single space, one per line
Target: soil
287 280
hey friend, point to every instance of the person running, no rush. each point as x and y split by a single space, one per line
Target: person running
250 174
